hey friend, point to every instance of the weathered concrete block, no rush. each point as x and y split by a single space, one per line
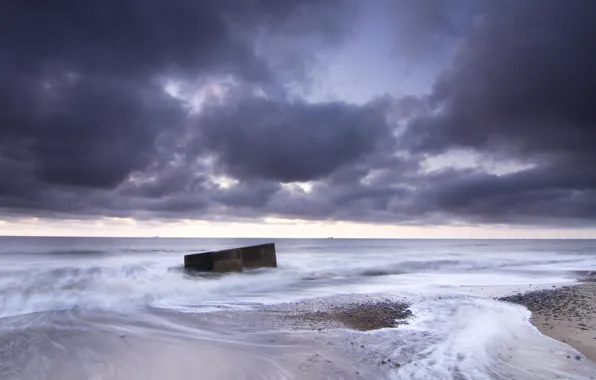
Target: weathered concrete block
259 256
229 260
199 261
233 260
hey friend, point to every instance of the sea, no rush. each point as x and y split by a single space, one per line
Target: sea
124 308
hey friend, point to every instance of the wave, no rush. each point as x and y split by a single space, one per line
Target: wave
77 252
422 266
161 250
125 287
469 338
466 336
380 269
131 283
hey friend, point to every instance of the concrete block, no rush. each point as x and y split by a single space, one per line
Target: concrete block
259 256
199 261
233 260
229 260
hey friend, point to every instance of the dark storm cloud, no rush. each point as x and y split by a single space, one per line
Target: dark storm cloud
525 77
81 100
79 80
537 196
139 38
81 131
290 141
88 141
521 87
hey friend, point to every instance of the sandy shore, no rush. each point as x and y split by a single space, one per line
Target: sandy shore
567 314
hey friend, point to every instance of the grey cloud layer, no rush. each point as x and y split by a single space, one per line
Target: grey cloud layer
522 86
86 129
291 141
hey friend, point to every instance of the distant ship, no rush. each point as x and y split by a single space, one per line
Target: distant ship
330 237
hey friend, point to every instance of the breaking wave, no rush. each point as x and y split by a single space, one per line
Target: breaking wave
137 284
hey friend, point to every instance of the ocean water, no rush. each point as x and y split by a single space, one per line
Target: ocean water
112 308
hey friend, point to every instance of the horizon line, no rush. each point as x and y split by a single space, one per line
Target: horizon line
296 238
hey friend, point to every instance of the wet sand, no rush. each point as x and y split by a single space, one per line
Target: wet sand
260 346
567 314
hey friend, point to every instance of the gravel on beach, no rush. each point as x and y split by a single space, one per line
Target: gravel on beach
567 314
367 316
567 302
362 315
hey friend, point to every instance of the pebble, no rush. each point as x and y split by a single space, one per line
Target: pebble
363 316
573 304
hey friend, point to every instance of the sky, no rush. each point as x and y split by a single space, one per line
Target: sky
298 118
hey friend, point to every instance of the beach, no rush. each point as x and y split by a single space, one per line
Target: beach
124 309
567 314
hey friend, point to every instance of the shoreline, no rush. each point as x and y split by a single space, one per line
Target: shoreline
566 314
